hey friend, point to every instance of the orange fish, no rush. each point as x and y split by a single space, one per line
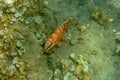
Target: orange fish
56 36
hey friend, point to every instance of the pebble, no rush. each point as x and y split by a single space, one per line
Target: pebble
12 9
5 40
9 2
117 36
24 9
18 44
72 56
11 36
83 28
72 68
37 34
66 77
17 14
73 78
73 41
13 53
38 20
20 52
46 2
78 69
117 49
19 64
1 33
1 56
21 19
21 37
57 72
27 22
85 68
11 69
1 13
111 20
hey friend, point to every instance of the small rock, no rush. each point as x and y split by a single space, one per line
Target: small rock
5 40
19 64
12 9
73 56
73 78
9 2
73 41
45 3
78 69
83 28
24 9
21 19
21 37
66 77
38 20
20 52
1 56
72 68
37 34
1 33
117 35
13 53
117 49
15 60
17 14
18 44
57 72
85 68
11 69
11 36
111 19
1 13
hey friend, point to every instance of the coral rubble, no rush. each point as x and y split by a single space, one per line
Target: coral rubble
73 68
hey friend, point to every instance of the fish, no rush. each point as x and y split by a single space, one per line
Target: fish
56 36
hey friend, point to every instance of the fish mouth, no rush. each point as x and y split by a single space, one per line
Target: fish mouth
47 47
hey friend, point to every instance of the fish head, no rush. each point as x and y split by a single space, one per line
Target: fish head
47 46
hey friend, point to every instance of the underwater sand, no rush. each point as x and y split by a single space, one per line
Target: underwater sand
88 50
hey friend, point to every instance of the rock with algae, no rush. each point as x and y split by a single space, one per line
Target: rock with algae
19 63
100 16
73 68
11 47
117 39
